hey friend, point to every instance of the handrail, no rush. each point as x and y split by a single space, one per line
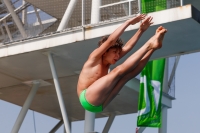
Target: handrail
116 3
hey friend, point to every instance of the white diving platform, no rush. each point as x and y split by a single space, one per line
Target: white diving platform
24 60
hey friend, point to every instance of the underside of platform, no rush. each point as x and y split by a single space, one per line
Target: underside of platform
25 60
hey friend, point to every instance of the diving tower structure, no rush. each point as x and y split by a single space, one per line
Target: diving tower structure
44 45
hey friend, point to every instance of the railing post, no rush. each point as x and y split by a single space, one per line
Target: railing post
83 12
83 18
181 2
139 6
130 10
95 11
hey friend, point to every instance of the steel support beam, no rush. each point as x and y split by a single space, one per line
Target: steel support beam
25 107
67 15
95 11
57 126
163 128
141 129
15 18
165 77
173 70
109 123
59 93
89 121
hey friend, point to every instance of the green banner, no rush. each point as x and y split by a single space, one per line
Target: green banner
149 107
153 5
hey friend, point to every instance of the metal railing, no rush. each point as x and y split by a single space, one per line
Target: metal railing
110 9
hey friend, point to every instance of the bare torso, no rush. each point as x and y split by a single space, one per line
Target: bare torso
91 72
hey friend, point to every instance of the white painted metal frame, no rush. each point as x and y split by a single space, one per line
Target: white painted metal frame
57 126
25 107
109 123
83 12
181 2
173 71
130 11
67 15
117 3
59 93
89 122
165 77
33 11
15 18
83 18
141 129
163 128
95 11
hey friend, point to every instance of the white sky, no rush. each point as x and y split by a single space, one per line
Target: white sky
183 117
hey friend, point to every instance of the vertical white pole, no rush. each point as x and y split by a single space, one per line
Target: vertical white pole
165 78
109 123
25 107
139 6
83 12
7 30
67 15
59 93
163 129
15 18
130 11
83 18
24 14
181 2
89 121
95 11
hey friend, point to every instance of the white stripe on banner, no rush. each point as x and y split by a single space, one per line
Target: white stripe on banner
146 96
156 91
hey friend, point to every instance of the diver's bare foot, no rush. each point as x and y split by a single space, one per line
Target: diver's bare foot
156 40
